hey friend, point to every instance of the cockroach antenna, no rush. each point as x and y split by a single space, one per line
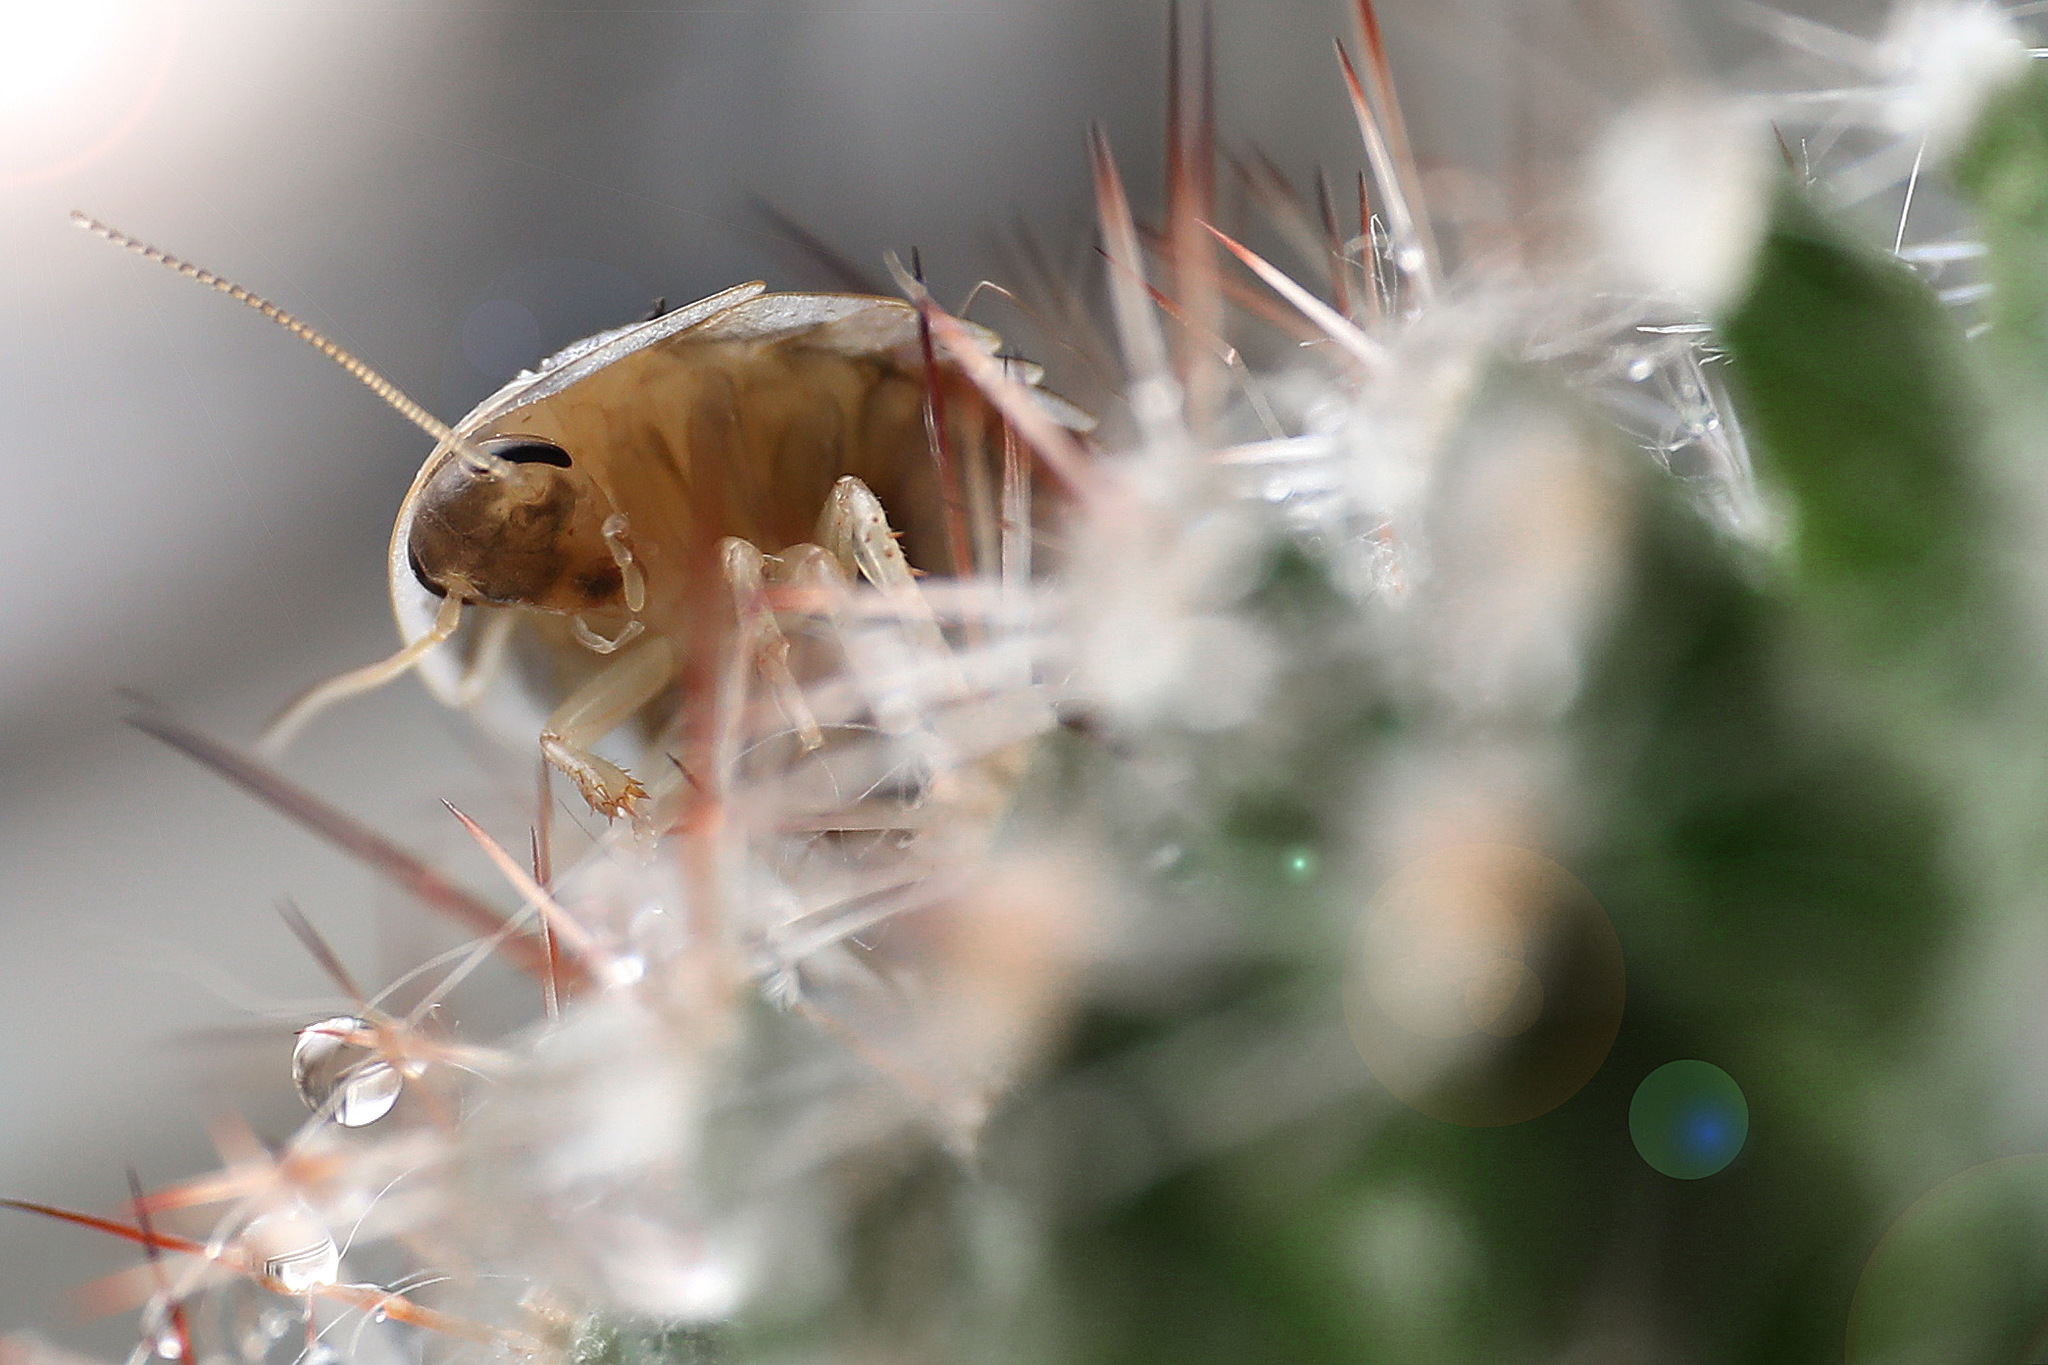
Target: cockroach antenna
1052 443
317 699
392 395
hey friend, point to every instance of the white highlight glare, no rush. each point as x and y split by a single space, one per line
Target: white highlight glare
47 50
1681 195
1947 61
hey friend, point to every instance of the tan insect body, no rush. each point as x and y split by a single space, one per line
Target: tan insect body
772 420
736 425
616 505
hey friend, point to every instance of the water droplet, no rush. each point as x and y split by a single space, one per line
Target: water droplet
627 968
167 1344
1277 490
653 936
381 1315
320 1353
1641 368
275 1322
294 1250
337 1075
1410 259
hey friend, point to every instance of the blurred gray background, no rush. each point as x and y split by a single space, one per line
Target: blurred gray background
197 505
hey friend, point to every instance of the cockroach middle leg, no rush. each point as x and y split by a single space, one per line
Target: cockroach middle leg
596 708
854 529
746 572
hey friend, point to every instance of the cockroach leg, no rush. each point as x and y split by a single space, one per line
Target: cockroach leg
746 572
854 530
595 709
632 582
493 644
603 644
357 681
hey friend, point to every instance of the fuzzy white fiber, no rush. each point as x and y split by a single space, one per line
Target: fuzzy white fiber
1679 193
1944 62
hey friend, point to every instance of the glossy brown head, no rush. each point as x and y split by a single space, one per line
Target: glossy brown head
527 532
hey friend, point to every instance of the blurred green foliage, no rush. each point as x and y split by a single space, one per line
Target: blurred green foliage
1799 786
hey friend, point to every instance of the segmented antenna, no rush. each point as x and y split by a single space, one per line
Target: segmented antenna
376 383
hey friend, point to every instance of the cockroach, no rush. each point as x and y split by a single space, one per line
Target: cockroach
611 507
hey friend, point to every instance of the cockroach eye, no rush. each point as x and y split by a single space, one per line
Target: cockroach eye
527 450
420 574
339 1077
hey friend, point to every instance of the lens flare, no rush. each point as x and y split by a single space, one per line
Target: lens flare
1485 985
1689 1119
76 79
48 49
1958 1275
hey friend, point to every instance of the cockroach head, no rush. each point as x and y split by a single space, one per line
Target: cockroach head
523 528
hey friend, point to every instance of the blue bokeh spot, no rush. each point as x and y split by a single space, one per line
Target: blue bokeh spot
1689 1119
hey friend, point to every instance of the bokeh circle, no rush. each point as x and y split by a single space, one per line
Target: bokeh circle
1961 1277
1688 1119
1484 986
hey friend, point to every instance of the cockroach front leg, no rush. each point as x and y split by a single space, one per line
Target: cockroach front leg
606 700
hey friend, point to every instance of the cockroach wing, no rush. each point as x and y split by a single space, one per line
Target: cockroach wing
847 324
864 325
581 359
